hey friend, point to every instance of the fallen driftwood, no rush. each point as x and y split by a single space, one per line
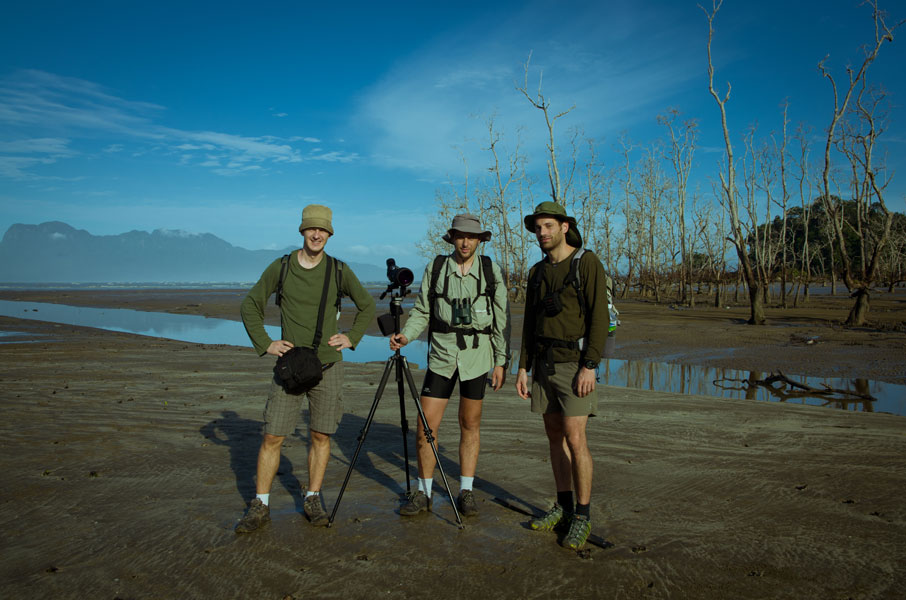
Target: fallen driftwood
776 384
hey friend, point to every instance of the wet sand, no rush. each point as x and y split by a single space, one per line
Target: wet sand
128 460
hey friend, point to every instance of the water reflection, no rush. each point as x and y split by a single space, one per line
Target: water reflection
668 377
185 328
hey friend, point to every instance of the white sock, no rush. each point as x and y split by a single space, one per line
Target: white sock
307 494
425 485
465 483
263 497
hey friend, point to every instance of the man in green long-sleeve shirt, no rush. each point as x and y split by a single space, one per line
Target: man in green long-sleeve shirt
302 287
563 337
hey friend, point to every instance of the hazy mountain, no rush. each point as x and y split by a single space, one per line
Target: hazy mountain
55 252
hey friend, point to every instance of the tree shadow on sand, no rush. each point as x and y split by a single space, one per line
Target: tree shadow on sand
243 439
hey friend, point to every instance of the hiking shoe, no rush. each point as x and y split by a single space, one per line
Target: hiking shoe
315 511
579 528
466 503
416 503
549 520
256 516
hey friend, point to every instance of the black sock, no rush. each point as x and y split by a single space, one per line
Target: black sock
584 510
565 500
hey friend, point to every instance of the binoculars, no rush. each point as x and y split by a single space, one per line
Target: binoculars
462 311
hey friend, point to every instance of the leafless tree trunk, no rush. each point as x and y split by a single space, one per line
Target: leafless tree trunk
784 198
543 104
497 209
728 183
857 282
682 149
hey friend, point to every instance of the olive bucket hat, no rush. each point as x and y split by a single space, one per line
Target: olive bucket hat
555 211
466 223
315 215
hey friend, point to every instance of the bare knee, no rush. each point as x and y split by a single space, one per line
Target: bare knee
319 439
469 424
272 442
575 438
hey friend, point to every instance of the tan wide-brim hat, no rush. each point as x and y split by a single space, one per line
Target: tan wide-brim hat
315 215
467 223
555 211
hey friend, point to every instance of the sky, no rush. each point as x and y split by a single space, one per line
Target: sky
229 117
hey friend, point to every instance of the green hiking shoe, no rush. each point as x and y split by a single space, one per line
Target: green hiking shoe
415 504
550 519
579 528
315 511
255 517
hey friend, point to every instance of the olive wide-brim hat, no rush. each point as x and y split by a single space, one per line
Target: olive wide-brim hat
316 215
467 223
555 211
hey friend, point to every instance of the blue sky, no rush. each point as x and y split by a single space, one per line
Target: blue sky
229 117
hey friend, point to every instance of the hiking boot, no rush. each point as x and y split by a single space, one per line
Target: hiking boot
255 517
416 503
466 503
315 511
549 520
579 528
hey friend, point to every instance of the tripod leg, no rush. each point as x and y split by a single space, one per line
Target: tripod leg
362 435
404 424
429 436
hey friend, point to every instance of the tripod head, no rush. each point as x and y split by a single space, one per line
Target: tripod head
400 280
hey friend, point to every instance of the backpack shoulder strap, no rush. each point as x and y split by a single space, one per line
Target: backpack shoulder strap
490 285
284 267
575 278
436 267
321 308
338 275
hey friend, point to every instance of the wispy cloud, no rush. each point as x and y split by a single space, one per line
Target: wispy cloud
430 112
50 112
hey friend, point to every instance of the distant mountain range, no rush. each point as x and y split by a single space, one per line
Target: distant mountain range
55 252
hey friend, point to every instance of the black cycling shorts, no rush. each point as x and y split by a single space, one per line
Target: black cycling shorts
438 386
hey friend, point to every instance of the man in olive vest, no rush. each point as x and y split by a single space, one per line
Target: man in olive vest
563 338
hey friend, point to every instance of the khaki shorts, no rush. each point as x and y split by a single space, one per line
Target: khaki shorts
557 394
325 405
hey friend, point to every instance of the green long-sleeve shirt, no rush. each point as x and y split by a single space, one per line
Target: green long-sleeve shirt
568 325
299 310
445 356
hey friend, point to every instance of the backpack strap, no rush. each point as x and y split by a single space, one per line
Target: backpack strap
320 325
575 279
339 264
436 266
284 267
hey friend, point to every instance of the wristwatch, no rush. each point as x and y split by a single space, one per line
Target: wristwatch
590 364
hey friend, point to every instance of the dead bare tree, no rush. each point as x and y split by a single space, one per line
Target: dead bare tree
728 184
497 208
680 153
628 243
805 198
857 281
782 203
542 103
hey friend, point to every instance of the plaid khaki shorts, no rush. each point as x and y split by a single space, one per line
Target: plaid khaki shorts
557 394
325 405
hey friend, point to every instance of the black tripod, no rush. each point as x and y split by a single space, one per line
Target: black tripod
402 367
